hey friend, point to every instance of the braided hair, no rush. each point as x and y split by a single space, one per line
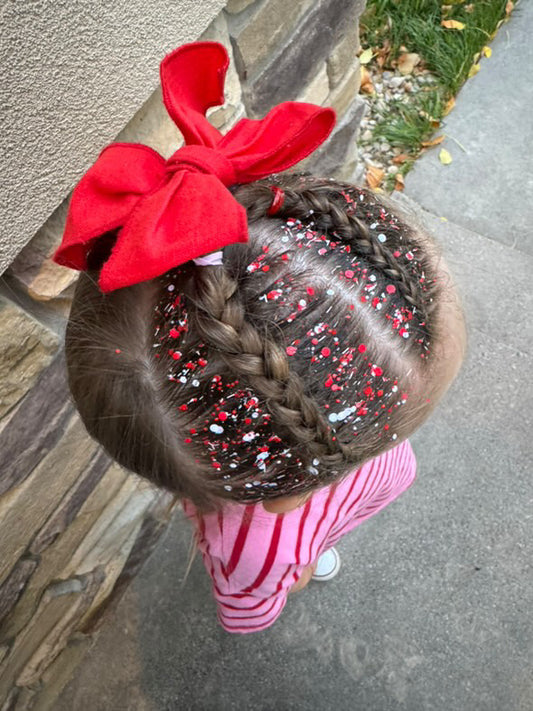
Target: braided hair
300 357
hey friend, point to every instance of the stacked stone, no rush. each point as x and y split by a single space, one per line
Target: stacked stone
310 46
74 526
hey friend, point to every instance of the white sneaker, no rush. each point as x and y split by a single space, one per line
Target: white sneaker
328 565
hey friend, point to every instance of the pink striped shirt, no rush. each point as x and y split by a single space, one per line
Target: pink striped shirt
254 557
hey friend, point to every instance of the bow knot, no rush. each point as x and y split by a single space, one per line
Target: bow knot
204 160
169 212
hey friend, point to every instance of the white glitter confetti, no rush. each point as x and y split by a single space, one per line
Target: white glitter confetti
228 487
170 287
217 429
249 436
382 237
195 383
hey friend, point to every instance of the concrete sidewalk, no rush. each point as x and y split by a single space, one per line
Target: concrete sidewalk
432 608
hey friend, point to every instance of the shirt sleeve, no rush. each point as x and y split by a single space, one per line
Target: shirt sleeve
244 608
252 567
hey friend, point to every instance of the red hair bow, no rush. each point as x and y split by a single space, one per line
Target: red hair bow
175 210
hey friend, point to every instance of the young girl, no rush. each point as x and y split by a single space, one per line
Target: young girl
268 373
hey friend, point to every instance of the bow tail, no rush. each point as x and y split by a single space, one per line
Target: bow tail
169 228
105 196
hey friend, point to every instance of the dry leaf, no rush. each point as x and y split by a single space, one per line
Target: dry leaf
434 141
407 62
399 184
366 56
399 159
367 86
469 8
433 121
474 69
445 157
453 24
509 7
449 106
487 51
374 176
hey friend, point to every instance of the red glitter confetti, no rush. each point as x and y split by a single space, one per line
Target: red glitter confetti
285 257
222 416
187 440
376 370
266 268
290 350
390 289
117 350
329 382
173 333
349 274
368 390
325 352
361 348
310 291
202 362
183 407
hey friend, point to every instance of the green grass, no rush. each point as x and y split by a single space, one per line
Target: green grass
407 125
449 54
416 25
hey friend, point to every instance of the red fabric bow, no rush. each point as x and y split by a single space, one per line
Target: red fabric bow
175 210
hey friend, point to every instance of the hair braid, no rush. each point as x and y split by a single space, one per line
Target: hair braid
220 318
317 200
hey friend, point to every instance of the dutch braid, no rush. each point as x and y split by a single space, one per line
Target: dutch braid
220 319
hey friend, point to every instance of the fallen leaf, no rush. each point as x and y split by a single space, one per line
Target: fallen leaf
474 69
433 121
487 51
407 62
399 183
453 24
509 7
401 158
445 157
367 86
366 55
374 176
469 8
434 141
449 106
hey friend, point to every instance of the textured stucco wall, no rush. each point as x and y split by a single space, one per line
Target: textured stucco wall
73 73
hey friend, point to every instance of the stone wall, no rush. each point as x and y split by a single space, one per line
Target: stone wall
74 526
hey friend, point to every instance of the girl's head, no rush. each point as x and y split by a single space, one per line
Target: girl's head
320 343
